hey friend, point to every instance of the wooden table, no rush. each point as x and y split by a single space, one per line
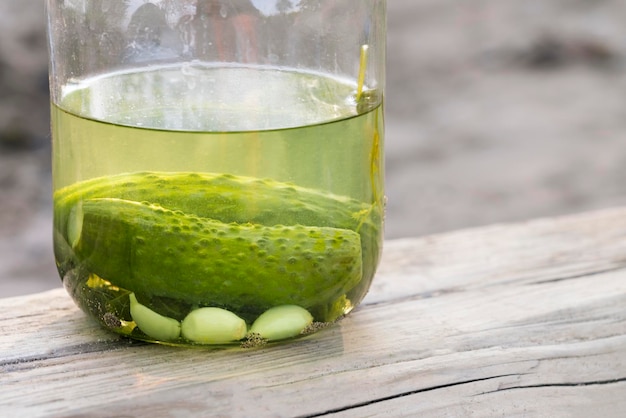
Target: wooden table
526 319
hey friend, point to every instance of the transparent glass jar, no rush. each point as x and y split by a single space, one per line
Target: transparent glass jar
217 164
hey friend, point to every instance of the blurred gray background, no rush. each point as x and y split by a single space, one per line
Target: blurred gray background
497 111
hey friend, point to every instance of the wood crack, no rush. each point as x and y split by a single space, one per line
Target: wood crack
580 275
78 349
403 394
561 385
417 296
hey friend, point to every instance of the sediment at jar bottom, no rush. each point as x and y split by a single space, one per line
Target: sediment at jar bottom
233 199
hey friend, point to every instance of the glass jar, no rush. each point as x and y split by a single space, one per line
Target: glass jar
217 164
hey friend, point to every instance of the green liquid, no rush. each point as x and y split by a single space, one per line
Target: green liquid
303 132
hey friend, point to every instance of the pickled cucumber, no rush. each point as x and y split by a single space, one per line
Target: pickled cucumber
151 250
224 197
228 198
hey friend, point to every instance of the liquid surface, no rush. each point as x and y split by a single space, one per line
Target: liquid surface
286 165
204 98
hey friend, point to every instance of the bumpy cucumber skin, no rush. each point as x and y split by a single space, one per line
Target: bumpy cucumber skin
151 250
230 198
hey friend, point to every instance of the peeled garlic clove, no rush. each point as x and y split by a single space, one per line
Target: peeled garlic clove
75 224
281 322
213 326
153 324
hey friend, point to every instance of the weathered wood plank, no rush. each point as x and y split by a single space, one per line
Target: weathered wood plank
524 319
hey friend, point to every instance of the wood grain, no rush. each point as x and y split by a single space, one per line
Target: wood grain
509 320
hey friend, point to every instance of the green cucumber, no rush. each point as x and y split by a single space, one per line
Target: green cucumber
225 197
153 251
228 198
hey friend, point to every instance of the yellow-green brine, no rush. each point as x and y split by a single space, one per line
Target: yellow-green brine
236 188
